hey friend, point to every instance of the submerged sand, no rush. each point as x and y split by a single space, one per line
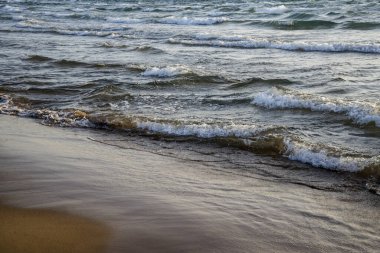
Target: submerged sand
169 197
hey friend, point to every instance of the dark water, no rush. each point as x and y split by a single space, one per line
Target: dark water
293 79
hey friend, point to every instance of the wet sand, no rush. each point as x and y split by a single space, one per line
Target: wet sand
171 196
46 231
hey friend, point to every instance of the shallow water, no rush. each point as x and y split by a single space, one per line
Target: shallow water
185 197
294 79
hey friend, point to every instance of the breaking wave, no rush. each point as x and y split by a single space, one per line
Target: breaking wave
166 71
193 21
360 113
252 43
269 140
273 10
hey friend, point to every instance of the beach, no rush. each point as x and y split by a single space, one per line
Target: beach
138 196
189 126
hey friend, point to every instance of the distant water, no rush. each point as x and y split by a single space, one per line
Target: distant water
298 79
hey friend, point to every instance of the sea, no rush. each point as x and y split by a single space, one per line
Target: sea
297 81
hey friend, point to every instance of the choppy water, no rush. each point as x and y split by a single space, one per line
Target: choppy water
298 79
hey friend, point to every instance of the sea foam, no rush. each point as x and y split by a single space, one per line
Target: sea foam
360 113
125 20
193 21
273 10
201 130
249 42
166 71
322 159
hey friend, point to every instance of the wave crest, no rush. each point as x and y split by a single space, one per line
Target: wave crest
252 43
360 113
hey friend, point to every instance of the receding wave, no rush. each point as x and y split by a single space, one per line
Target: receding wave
251 43
360 113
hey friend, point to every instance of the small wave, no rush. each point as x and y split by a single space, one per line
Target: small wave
86 33
320 158
360 113
125 20
273 10
269 140
361 25
149 49
200 130
251 43
166 71
297 24
193 21
38 58
11 9
73 118
258 80
72 63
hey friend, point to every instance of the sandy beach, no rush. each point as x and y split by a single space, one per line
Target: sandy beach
138 196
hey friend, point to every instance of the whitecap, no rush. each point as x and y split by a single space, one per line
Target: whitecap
125 20
193 21
200 130
247 42
273 10
166 71
361 113
320 158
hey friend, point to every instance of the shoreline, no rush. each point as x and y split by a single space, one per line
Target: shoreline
176 197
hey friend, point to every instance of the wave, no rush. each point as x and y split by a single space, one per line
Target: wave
322 159
125 20
166 71
257 81
360 113
200 130
38 58
10 9
361 25
193 21
149 49
267 140
297 24
71 63
273 10
251 43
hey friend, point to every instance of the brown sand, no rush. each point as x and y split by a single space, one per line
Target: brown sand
39 230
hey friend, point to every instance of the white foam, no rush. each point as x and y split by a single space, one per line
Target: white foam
125 20
360 113
193 21
321 159
166 71
87 33
9 8
200 130
247 42
273 10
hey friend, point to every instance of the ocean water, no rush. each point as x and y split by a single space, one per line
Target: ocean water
297 80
